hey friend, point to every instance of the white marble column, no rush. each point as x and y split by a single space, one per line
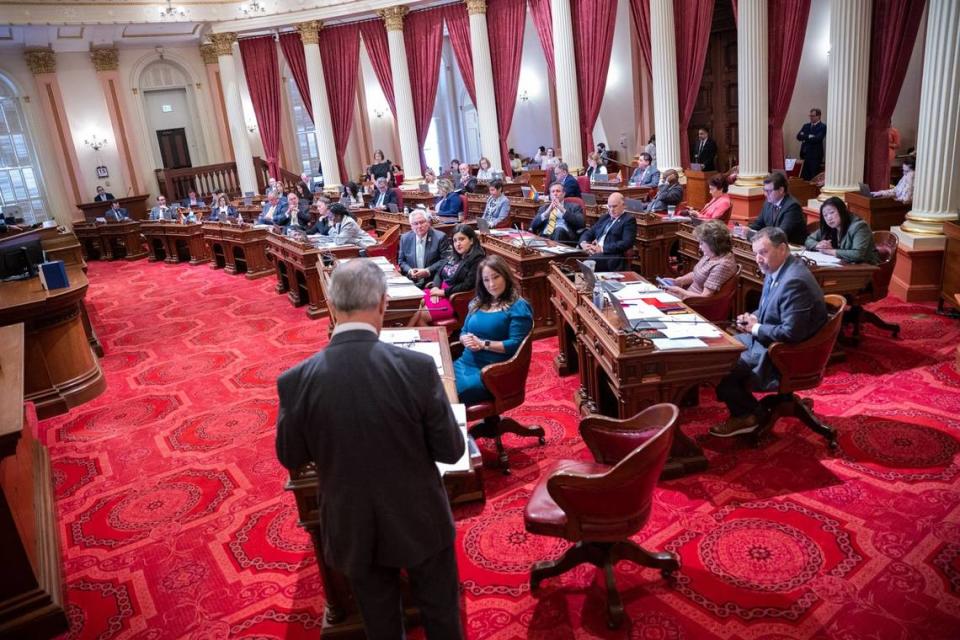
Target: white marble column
752 92
483 83
666 105
565 67
846 117
406 124
246 174
936 189
322 120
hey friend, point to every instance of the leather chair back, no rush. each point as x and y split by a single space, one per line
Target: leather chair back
461 306
387 245
584 183
578 201
399 194
733 173
463 204
617 503
507 380
717 308
801 365
887 245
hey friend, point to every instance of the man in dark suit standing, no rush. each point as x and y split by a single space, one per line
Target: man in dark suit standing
571 188
374 419
811 137
781 210
792 309
383 196
115 213
611 237
704 151
102 195
558 220
423 249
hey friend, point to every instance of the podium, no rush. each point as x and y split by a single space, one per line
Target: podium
136 207
880 213
697 193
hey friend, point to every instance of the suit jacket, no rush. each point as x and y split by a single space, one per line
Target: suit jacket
197 203
467 185
168 214
572 219
280 216
667 195
465 277
792 309
374 418
790 218
621 237
648 177
856 244
707 156
321 226
215 214
103 197
811 150
571 188
450 206
434 254
388 197
116 215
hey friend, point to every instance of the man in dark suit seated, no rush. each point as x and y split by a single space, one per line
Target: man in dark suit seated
466 183
423 249
102 195
669 193
192 201
115 213
781 210
571 188
611 237
161 211
274 210
646 174
383 196
704 151
558 220
374 419
296 212
792 309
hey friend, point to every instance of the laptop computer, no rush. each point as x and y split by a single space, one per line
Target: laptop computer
424 187
497 175
633 204
483 225
640 324
589 277
865 189
600 178
589 199
392 207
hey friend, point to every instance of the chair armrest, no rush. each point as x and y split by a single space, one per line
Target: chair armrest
507 380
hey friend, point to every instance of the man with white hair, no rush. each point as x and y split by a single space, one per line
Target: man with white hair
374 419
384 196
423 249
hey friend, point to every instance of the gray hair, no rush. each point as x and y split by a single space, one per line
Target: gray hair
381 181
775 235
418 212
358 285
563 167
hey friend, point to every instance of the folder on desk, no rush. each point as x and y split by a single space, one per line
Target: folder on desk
53 275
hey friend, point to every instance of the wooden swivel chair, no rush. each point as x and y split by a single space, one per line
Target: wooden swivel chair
584 183
507 382
887 244
801 366
599 505
387 244
399 194
717 308
461 307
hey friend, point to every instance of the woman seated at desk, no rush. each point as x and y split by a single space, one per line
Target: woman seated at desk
458 273
484 173
498 321
222 211
842 234
449 205
497 208
344 229
350 196
903 192
715 267
595 167
719 207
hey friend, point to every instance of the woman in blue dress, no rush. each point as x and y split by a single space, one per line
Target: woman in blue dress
449 204
498 321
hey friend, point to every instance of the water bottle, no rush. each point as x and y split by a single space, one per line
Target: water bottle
597 296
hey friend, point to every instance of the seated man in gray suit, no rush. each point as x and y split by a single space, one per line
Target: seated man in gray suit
423 249
558 220
781 210
646 173
669 194
116 213
161 211
792 309
374 419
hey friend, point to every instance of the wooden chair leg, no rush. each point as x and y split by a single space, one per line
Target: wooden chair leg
664 560
614 603
803 409
877 321
509 425
576 555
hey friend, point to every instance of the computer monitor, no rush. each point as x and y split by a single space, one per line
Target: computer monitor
20 259
633 204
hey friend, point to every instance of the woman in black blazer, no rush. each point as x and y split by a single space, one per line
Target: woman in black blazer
458 273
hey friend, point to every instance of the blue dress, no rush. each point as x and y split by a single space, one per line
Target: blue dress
450 206
510 326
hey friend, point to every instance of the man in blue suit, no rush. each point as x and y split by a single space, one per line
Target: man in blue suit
384 196
116 213
781 210
193 201
811 137
558 220
611 237
646 173
571 188
274 210
423 249
161 211
792 309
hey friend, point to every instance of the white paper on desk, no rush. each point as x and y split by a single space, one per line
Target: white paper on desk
463 464
404 291
643 310
559 249
399 336
822 259
635 289
398 280
432 349
679 331
679 343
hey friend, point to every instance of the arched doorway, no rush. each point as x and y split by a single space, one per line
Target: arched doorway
171 115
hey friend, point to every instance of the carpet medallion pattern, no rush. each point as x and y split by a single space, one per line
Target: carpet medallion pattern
175 523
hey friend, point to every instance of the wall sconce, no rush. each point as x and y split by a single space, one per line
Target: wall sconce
253 8
378 113
96 143
524 96
251 127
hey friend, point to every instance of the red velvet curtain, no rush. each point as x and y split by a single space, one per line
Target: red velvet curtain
292 48
374 35
340 50
505 25
787 27
692 21
263 81
543 21
458 26
641 25
593 23
894 32
423 37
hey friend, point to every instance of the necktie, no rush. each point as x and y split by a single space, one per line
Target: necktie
552 224
700 150
420 251
603 236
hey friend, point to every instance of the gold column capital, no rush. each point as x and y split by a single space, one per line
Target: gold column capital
105 59
310 31
209 53
41 61
393 17
476 6
223 43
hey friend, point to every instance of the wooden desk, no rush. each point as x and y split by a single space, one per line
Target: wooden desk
697 194
297 266
383 220
950 286
174 242
400 310
879 213
62 245
603 191
136 207
802 190
61 368
622 373
111 240
656 237
31 592
341 618
537 178
238 248
413 198
530 267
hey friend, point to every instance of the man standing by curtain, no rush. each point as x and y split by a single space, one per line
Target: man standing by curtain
704 151
811 137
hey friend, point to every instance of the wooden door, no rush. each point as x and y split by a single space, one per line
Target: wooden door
716 107
173 148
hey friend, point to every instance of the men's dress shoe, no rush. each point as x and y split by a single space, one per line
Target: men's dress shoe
735 426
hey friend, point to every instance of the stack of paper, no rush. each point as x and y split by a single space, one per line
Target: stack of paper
559 249
635 289
638 310
821 259
408 290
463 464
399 336
678 343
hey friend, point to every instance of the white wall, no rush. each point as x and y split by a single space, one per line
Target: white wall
532 119
616 125
381 128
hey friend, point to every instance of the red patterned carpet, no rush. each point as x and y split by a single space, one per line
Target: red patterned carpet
174 522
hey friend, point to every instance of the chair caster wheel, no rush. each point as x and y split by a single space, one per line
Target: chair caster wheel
506 471
833 445
542 440
668 575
